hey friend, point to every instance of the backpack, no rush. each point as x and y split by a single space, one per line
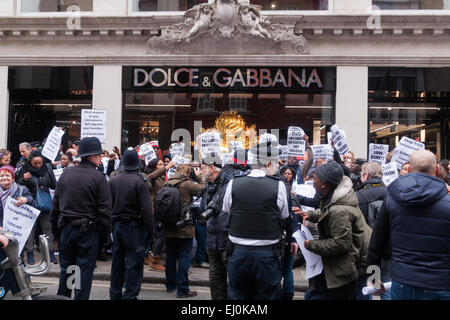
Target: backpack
373 211
168 205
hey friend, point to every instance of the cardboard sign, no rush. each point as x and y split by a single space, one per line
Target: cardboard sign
51 147
322 151
93 124
405 148
390 173
19 220
177 149
377 153
295 142
58 173
146 150
339 140
210 142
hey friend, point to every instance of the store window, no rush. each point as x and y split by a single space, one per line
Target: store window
44 97
54 5
183 5
412 4
171 98
410 102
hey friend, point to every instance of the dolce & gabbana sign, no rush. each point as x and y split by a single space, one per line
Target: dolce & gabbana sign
298 79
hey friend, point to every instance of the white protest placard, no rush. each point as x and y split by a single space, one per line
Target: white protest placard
177 160
377 153
235 145
177 149
19 220
210 143
322 151
227 158
305 190
339 140
51 147
390 173
284 152
265 137
148 152
405 148
314 265
58 173
93 124
295 142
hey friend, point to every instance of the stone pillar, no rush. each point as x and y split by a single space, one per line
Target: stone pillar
352 107
4 107
108 96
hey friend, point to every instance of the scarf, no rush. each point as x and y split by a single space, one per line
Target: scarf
4 194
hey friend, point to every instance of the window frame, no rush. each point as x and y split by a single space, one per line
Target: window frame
51 14
329 11
411 12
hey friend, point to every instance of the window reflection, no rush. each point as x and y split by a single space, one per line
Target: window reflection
412 4
183 5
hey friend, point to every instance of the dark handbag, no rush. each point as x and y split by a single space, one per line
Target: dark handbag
43 200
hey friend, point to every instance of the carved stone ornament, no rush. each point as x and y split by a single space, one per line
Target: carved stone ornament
227 27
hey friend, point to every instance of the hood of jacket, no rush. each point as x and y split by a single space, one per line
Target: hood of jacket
417 189
344 194
177 178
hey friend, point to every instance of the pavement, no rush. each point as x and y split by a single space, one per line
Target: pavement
197 276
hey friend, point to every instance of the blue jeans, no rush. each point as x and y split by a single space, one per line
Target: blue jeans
127 260
401 291
200 236
288 276
254 275
81 249
178 277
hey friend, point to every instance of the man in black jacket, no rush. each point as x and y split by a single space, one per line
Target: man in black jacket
81 206
132 211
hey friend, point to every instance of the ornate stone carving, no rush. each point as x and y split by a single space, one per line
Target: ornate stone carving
226 27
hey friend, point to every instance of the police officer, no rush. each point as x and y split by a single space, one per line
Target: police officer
131 213
257 203
81 207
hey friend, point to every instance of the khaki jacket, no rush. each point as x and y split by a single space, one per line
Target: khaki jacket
344 236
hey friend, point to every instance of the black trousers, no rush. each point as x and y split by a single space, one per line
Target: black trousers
128 255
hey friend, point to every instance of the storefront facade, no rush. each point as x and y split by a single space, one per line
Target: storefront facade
379 74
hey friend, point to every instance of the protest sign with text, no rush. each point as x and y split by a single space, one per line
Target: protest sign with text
322 151
52 144
339 140
93 124
146 150
377 153
390 173
405 148
19 220
210 142
177 149
295 142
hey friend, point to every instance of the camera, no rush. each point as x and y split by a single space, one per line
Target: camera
194 213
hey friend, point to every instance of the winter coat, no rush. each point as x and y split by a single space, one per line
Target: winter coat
156 181
25 193
344 236
187 189
45 183
371 190
417 219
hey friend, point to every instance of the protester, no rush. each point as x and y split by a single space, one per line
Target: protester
36 175
5 157
179 240
156 175
302 170
414 220
83 202
389 157
254 269
344 236
405 169
131 213
444 172
8 188
76 161
66 161
75 145
25 150
290 176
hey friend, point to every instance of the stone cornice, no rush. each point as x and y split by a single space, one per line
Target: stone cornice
225 60
313 26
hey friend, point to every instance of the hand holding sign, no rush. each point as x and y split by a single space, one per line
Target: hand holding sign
339 140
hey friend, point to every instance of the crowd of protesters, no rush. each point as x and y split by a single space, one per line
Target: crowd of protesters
356 220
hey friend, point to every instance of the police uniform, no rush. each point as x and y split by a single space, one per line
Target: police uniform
81 207
257 204
131 213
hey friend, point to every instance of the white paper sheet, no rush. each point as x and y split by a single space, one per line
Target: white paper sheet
295 142
339 140
93 124
306 190
377 153
52 144
404 149
314 265
390 173
371 290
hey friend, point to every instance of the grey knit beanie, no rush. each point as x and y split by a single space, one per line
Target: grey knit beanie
330 173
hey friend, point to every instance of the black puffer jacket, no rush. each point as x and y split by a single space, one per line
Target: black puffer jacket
371 190
45 183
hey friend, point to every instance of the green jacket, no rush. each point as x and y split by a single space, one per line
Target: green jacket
344 236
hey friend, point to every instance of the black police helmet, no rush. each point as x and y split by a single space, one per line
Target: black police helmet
89 146
130 160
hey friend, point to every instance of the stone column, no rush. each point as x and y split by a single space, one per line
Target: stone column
352 107
108 96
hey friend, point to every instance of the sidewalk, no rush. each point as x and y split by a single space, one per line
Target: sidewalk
197 276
